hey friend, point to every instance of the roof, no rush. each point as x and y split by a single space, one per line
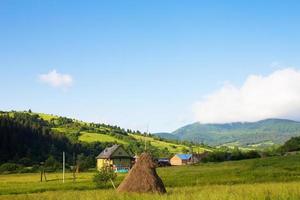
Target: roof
184 156
108 151
163 159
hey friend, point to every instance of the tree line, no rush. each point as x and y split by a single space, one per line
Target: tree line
28 140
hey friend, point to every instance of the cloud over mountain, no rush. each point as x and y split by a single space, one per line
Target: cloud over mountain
55 79
276 95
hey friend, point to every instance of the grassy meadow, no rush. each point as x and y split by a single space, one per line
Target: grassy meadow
173 148
264 191
265 178
97 137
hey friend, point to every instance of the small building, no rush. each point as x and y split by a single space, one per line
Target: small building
184 159
163 162
115 157
181 159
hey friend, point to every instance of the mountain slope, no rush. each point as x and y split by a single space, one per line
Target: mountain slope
265 132
77 133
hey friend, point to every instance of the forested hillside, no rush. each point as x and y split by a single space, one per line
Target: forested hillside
29 138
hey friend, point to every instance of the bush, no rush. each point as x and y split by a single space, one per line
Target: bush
52 164
217 156
252 154
9 167
27 170
25 161
103 176
292 144
236 154
84 162
17 168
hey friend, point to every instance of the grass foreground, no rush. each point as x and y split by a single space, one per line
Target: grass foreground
266 191
265 178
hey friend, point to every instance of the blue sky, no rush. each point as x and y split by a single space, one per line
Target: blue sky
139 63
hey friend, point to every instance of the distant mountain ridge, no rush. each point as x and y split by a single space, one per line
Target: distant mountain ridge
264 132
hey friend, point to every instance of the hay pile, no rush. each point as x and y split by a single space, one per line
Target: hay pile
142 177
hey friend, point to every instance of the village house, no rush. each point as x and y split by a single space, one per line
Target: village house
181 159
115 157
185 159
163 162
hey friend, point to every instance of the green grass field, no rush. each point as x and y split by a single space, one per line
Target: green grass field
173 148
266 191
47 117
97 137
265 178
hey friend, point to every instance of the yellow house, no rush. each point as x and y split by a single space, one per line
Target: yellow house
185 159
181 159
115 157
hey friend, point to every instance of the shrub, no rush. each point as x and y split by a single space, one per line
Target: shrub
236 154
252 154
9 167
292 144
52 164
217 156
84 162
103 176
26 170
25 161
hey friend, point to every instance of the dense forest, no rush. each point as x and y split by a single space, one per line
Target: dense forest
28 140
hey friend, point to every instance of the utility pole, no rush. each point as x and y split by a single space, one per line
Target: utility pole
146 137
63 166
74 167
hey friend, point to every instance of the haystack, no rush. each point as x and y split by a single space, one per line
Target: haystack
142 177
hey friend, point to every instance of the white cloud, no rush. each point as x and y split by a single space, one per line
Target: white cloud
274 96
55 79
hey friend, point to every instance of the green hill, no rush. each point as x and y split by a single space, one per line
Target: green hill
73 136
249 134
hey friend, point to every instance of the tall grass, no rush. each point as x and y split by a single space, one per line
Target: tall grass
263 191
